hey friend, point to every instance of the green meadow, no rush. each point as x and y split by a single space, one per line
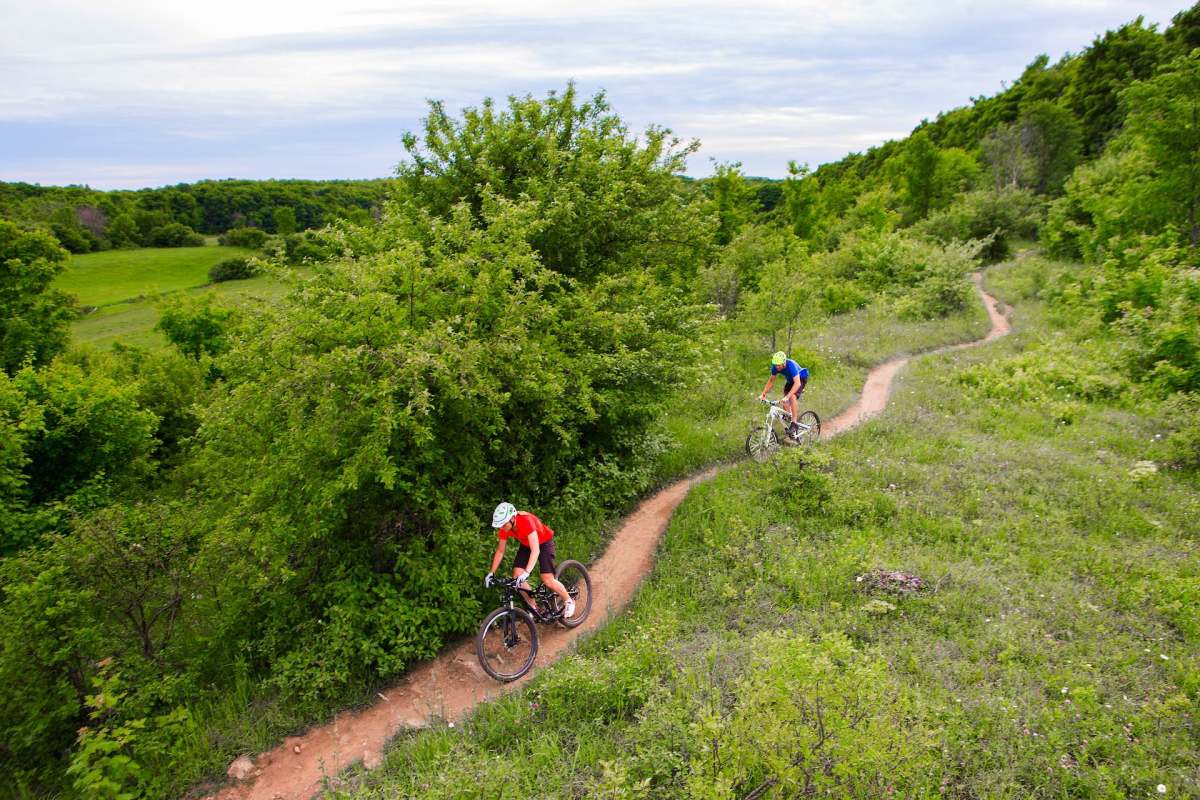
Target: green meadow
122 289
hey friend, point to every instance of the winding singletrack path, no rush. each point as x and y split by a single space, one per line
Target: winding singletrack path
454 683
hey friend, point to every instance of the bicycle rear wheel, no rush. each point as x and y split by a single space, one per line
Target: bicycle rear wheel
761 442
574 577
810 420
507 643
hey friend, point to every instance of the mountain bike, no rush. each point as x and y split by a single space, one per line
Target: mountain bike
763 438
507 642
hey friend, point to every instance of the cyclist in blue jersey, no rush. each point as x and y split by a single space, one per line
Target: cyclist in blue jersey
796 377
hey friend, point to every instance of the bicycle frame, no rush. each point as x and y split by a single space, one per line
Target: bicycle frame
538 602
777 412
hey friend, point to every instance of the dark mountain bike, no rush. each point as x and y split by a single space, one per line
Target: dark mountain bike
507 642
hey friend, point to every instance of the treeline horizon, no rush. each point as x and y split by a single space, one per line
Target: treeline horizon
85 219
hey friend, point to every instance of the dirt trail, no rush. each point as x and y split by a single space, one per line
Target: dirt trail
454 683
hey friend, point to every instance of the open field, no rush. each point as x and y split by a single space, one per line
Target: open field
124 289
115 276
133 322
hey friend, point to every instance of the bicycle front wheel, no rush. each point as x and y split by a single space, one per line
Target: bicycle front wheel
761 442
810 421
575 579
507 643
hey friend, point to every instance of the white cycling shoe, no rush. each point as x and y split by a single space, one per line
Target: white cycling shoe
569 609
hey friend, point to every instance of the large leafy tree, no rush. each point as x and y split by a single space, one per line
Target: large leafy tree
734 200
1114 60
607 200
33 315
1164 115
928 177
801 200
1050 136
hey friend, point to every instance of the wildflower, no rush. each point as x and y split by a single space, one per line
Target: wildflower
1064 690
1162 788
1164 656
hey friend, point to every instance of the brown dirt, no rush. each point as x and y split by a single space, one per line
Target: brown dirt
452 684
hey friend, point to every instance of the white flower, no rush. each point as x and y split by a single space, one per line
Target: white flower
1162 788
1064 690
1164 656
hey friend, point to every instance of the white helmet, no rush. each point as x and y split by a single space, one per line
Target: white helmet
503 513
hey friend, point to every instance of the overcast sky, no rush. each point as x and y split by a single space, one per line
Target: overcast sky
130 93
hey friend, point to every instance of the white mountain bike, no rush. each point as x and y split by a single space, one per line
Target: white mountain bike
766 437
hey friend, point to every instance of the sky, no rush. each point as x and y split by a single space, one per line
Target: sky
129 93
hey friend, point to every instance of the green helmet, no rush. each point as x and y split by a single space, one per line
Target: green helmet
778 359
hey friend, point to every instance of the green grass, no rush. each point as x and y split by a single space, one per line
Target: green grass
123 289
710 424
132 323
1053 654
117 276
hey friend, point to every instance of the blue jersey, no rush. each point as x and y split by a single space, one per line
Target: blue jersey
791 370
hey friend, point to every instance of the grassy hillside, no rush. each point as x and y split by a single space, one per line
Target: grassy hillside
133 322
1052 651
124 288
115 276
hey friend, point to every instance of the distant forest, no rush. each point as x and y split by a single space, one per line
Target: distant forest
85 219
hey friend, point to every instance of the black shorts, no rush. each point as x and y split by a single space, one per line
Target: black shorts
545 558
802 381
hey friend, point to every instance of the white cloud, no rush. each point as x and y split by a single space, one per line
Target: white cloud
775 79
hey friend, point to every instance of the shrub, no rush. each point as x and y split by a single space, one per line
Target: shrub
838 297
796 720
87 427
741 265
231 269
33 314
196 327
384 458
117 587
252 238
174 234
304 248
997 217
1146 291
1049 374
1183 442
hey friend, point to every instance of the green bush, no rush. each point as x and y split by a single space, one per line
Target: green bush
1058 375
304 248
811 718
33 315
838 297
196 327
79 427
1148 293
103 607
1183 441
995 218
231 269
174 234
252 238
418 405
